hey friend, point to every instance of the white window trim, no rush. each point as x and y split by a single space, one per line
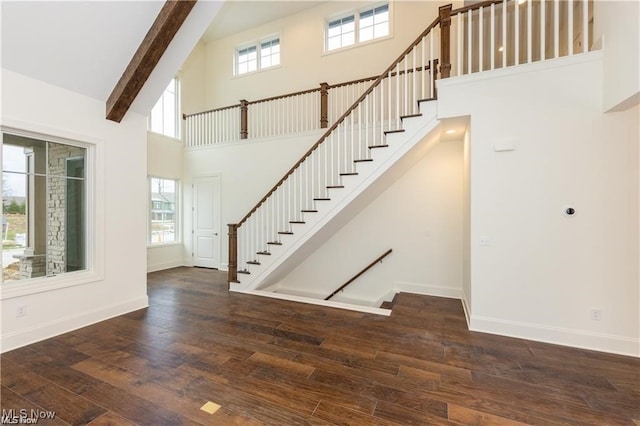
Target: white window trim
177 208
178 116
356 14
95 235
258 45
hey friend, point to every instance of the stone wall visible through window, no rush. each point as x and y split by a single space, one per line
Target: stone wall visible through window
45 234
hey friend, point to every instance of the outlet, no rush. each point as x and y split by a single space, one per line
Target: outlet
484 241
21 311
596 314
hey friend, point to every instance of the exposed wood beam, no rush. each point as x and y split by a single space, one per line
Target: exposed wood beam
164 28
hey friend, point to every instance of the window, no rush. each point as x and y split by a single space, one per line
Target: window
165 115
44 188
358 27
163 219
374 23
341 33
258 56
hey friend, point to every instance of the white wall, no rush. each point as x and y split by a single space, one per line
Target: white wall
247 170
419 217
164 159
193 81
304 64
118 283
619 22
466 224
542 273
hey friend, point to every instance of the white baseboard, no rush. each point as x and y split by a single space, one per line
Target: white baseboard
315 301
556 335
427 290
163 266
37 333
466 307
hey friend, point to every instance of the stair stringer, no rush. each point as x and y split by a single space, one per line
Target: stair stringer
321 225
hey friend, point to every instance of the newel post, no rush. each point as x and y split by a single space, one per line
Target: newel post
244 127
445 40
324 105
233 253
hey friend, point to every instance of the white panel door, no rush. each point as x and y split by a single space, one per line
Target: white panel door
206 222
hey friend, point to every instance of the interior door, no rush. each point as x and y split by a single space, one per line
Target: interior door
206 222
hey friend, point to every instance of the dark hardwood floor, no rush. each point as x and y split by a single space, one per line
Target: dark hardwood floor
267 361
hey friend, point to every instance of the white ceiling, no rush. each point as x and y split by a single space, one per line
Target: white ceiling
237 15
85 46
81 46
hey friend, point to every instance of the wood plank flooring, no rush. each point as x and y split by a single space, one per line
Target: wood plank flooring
267 361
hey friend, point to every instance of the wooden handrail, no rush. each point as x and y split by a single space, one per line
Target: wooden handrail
302 92
185 116
342 118
475 6
355 277
288 95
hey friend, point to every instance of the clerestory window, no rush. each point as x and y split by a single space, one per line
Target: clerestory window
258 55
356 27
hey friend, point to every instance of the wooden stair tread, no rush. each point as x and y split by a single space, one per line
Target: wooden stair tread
274 243
322 199
378 146
335 186
388 132
264 253
363 160
309 211
244 271
426 100
285 233
402 117
252 262
349 174
297 221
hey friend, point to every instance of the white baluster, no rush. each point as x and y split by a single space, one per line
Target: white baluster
516 33
570 27
543 30
504 33
469 43
432 67
492 45
529 31
480 39
585 26
460 43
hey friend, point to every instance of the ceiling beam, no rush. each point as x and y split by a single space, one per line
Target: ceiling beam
169 20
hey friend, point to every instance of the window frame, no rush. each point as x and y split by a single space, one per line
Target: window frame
177 118
356 14
258 46
94 222
177 203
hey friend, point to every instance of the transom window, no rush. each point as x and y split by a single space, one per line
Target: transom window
258 56
165 115
357 27
163 217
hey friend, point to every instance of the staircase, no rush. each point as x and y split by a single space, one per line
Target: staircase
320 216
395 117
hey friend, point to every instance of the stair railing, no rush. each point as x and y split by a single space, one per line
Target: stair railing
359 274
362 127
484 36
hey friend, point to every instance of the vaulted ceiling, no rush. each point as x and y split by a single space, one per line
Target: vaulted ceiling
85 46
